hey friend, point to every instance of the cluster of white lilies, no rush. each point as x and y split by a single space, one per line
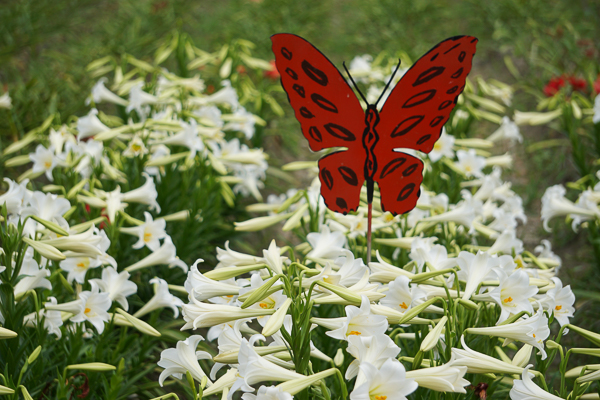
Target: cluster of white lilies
449 293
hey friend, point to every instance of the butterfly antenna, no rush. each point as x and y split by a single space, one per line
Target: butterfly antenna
354 83
390 81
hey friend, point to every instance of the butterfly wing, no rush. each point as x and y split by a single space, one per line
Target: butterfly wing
330 116
413 116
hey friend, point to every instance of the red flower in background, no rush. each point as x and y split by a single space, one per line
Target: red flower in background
578 83
272 73
596 85
240 69
554 86
558 82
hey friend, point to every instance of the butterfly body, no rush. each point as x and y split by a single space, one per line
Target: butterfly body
411 118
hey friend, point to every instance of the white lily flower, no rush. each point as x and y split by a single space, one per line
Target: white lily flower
188 137
34 277
350 270
145 194
44 160
149 233
90 125
77 267
512 293
227 95
135 148
423 250
229 258
533 331
254 368
203 315
162 298
100 94
545 253
5 101
525 389
203 288
138 99
94 307
242 121
401 297
374 350
48 206
165 254
444 378
360 322
325 244
268 393
559 301
506 243
470 163
387 383
59 137
183 358
443 147
464 213
507 130
117 285
52 319
16 197
554 204
273 258
596 117
479 363
474 269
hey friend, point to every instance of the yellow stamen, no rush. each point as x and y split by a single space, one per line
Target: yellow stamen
380 397
403 305
508 300
47 164
354 333
263 305
534 335
87 310
147 237
558 308
437 146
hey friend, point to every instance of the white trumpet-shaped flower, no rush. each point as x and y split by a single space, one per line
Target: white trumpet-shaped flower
162 298
479 363
183 358
52 319
117 285
470 163
559 301
203 288
444 378
165 254
374 350
442 147
101 94
386 383
94 307
525 389
512 293
400 296
150 232
145 194
360 322
44 160
474 269
90 125
325 244
77 267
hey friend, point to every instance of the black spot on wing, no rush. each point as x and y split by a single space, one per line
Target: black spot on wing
405 126
461 56
340 132
299 89
314 133
392 166
314 73
348 175
457 73
434 56
291 73
406 191
428 75
306 113
423 139
452 90
419 98
323 103
445 104
452 48
436 121
327 178
286 53
408 171
341 203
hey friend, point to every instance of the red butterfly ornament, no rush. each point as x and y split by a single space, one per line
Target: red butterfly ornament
412 117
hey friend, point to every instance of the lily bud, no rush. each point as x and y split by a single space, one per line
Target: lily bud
276 320
433 336
93 366
45 250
